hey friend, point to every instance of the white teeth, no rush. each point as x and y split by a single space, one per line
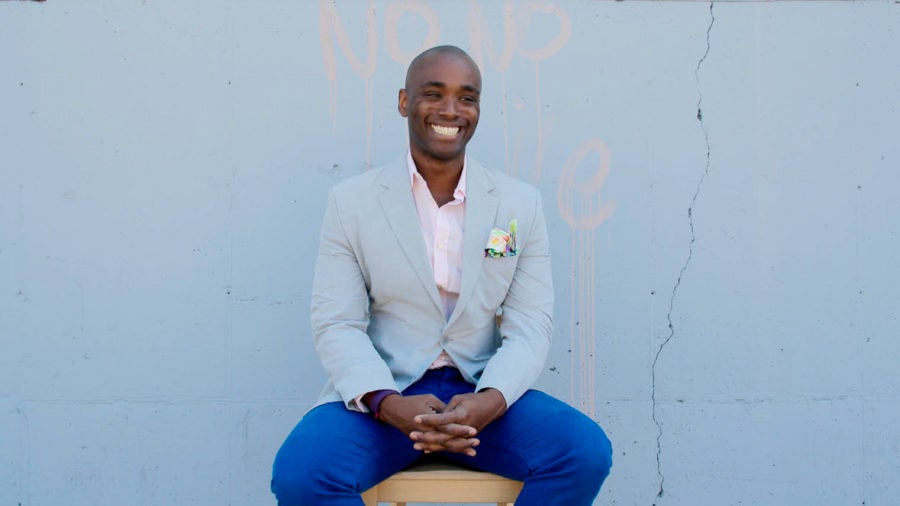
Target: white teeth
444 130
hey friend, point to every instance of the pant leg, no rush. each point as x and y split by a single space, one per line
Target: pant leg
562 456
333 455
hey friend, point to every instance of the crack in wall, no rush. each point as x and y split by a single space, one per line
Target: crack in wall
684 267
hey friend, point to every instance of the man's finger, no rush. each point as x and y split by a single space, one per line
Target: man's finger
458 430
430 437
445 433
438 419
460 445
436 441
436 405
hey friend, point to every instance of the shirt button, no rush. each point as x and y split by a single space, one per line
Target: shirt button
442 245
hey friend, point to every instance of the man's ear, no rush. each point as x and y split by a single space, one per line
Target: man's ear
401 102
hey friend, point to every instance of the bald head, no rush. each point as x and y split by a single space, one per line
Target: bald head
428 54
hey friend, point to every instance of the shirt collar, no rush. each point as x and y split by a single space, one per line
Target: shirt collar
459 193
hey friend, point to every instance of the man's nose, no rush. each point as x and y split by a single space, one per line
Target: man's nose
448 107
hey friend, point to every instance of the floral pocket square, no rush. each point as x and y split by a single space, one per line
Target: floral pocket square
502 243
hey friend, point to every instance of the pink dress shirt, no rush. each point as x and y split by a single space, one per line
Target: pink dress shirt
442 229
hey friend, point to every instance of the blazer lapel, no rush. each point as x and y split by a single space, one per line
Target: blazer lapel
397 201
481 212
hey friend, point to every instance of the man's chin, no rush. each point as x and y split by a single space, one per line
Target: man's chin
443 155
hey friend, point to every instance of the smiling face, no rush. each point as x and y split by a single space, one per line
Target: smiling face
441 104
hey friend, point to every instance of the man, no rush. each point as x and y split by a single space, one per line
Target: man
431 311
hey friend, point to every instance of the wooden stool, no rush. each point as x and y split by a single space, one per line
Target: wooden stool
441 483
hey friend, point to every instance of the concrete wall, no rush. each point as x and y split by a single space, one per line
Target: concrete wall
721 184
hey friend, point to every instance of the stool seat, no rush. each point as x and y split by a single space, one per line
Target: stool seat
442 483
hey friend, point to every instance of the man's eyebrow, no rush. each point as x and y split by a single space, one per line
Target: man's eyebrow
440 84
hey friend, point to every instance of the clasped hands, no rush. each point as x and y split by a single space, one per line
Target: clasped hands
434 426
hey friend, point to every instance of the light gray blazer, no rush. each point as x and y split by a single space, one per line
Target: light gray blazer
377 318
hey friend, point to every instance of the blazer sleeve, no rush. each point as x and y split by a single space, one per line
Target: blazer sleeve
526 323
339 314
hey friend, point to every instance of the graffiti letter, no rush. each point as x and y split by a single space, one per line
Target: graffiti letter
552 47
480 37
328 18
591 214
392 22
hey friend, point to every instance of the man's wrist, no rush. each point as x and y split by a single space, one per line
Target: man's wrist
497 397
374 399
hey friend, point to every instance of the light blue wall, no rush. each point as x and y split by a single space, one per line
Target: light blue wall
727 287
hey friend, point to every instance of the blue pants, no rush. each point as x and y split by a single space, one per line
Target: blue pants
333 455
